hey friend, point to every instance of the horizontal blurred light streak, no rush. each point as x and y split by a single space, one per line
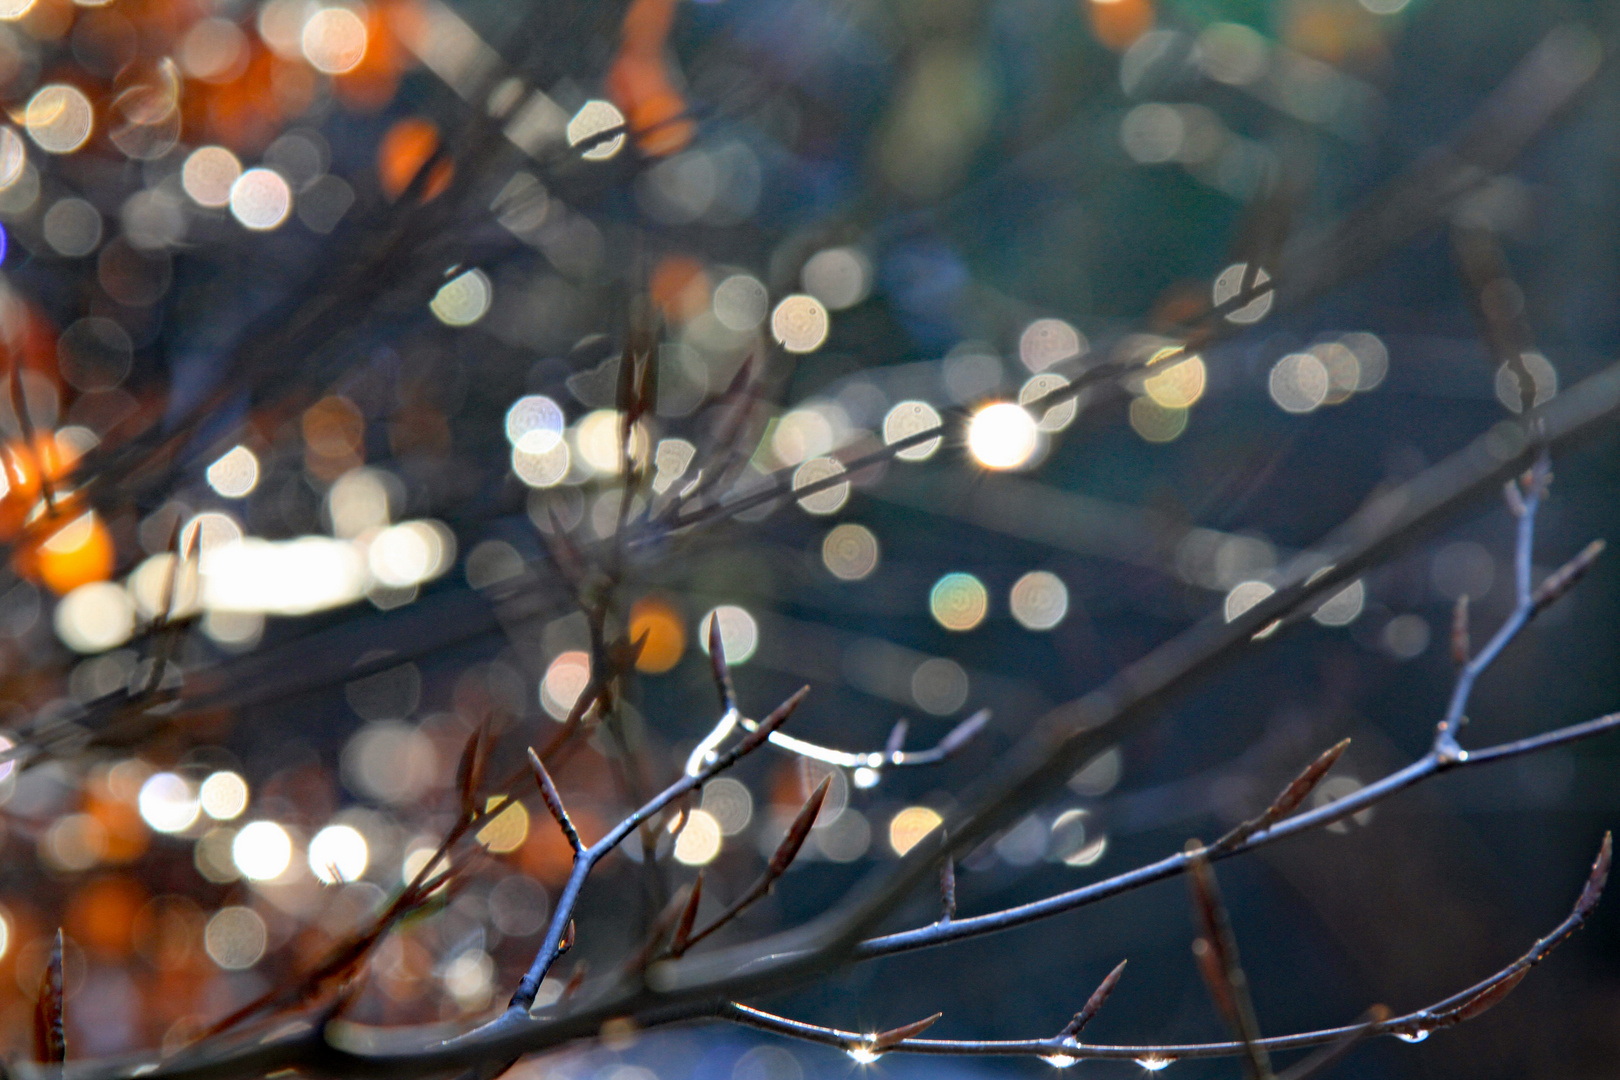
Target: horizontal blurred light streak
315 573
1029 510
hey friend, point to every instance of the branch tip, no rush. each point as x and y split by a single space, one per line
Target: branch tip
799 831
1461 647
470 771
1094 1003
886 1040
1599 877
963 732
719 667
50 1018
553 801
1288 801
896 741
1563 579
778 717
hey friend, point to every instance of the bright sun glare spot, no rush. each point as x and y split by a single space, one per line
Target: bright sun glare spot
167 803
1003 436
337 854
262 850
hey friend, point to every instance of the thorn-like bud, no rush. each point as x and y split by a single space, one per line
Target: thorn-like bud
553 801
778 717
630 651
887 1040
1461 647
718 665
1563 579
1094 1003
50 1026
1286 803
1491 996
1305 783
470 771
625 392
799 831
567 941
947 887
1217 954
1599 877
1514 498
785 853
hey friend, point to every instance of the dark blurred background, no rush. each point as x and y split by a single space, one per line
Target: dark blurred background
338 291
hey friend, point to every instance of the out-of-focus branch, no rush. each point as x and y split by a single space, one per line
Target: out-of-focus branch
1216 951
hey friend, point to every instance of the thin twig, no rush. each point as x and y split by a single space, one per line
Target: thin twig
1455 1009
1326 814
587 859
781 859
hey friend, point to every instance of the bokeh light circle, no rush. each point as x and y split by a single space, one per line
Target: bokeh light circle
59 118
850 552
334 40
910 418
800 323
1039 600
958 601
739 633
260 199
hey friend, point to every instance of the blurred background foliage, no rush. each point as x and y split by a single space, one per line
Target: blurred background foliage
331 296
